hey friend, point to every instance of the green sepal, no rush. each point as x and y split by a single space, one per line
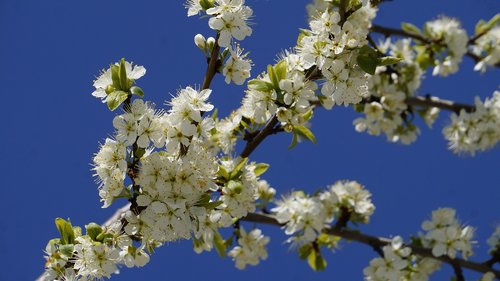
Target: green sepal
137 91
220 244
367 59
93 230
260 169
410 28
204 199
66 231
305 132
115 99
316 261
388 60
260 85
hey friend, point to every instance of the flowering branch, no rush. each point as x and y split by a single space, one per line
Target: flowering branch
212 65
379 242
387 31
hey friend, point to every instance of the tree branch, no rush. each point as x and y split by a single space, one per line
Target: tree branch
255 141
212 64
379 242
387 31
428 101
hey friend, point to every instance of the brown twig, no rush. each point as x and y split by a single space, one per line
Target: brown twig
379 242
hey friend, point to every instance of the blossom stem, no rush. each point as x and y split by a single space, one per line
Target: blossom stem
212 64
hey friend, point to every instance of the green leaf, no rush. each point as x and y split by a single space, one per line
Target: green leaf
480 26
308 115
115 76
304 251
93 230
327 240
115 99
295 140
137 91
388 60
212 205
280 70
273 77
67 250
204 199
260 169
316 261
410 28
237 170
124 82
139 152
66 231
219 244
305 132
260 85
223 172
367 59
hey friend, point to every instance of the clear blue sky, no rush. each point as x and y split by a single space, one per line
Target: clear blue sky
50 52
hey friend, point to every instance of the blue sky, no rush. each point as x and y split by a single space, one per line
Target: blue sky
51 51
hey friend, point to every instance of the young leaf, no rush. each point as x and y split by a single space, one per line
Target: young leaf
235 173
115 99
260 169
304 251
93 230
305 132
280 70
219 244
316 261
295 140
367 59
260 85
410 28
273 77
388 60
124 84
137 91
66 231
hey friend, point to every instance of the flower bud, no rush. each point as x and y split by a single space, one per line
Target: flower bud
210 43
200 41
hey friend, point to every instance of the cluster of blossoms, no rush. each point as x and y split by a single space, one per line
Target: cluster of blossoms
450 42
92 256
386 112
237 67
284 90
306 216
229 17
397 264
251 247
446 236
475 131
333 47
488 47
